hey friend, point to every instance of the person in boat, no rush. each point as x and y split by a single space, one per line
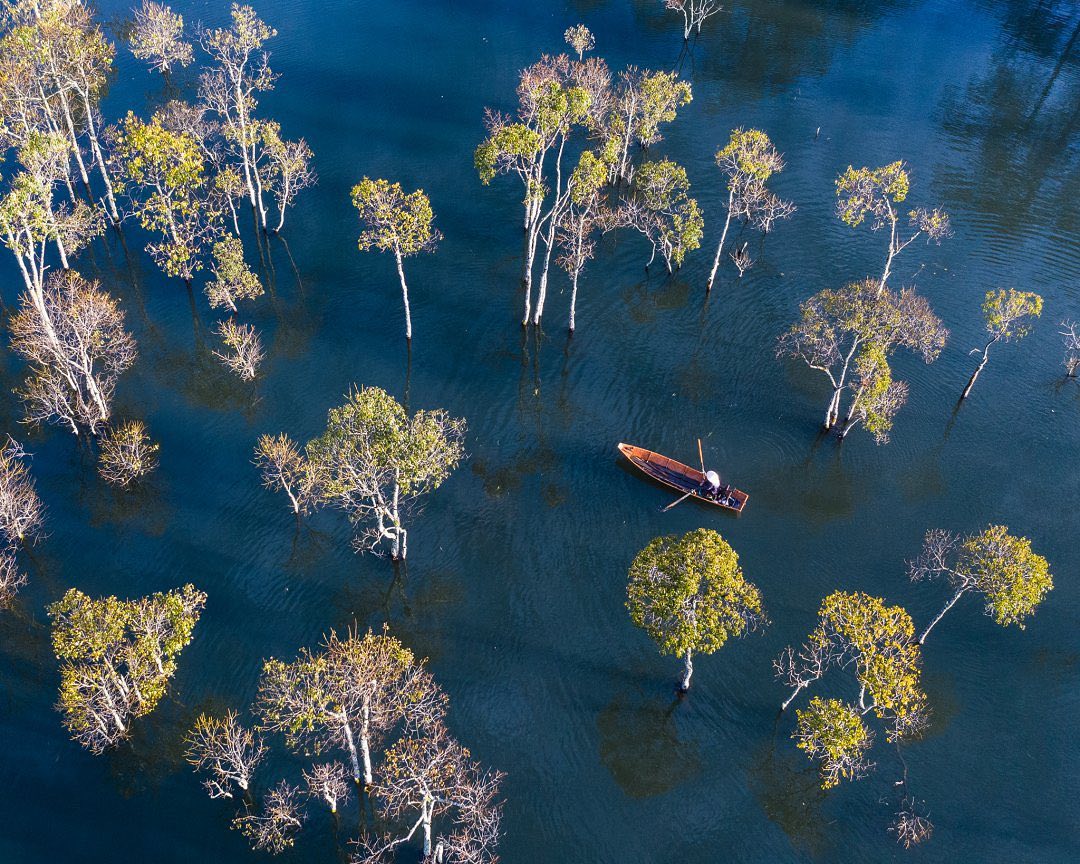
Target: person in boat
712 484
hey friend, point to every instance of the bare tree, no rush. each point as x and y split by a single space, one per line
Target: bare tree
284 467
77 348
273 828
910 826
330 782
227 751
1070 335
21 512
694 13
11 578
243 351
741 258
429 778
290 168
127 453
157 36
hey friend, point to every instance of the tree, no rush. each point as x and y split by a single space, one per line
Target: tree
127 453
1070 335
550 104
77 348
430 777
330 782
229 89
640 103
350 695
661 209
584 214
1012 578
116 658
157 36
689 594
877 192
376 463
694 13
877 396
859 632
164 175
243 351
233 279
284 467
858 325
395 222
580 38
835 735
21 516
748 160
290 164
227 751
273 829
1007 316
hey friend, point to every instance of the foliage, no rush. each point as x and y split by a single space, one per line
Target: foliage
127 453
116 658
394 221
243 351
835 735
663 211
273 829
1008 313
233 279
580 38
157 36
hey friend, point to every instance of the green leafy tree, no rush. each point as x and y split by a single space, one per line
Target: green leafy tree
1007 315
350 696
233 279
747 161
290 168
550 105
374 461
1012 578
877 193
164 175
116 658
661 209
689 594
586 213
835 735
876 642
638 105
395 222
852 329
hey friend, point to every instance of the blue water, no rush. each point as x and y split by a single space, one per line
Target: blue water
516 575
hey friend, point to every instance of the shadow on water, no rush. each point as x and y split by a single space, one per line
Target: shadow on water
641 747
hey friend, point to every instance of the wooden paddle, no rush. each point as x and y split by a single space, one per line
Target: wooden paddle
700 457
688 494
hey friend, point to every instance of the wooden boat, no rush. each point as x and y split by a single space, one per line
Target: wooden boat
683 478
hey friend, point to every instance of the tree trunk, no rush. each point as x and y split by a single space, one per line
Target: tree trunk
541 296
404 296
351 746
975 374
941 614
688 670
99 158
832 413
573 301
723 237
427 831
791 698
365 745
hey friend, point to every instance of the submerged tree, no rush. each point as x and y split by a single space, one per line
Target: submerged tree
328 781
834 734
242 351
21 516
430 778
858 327
349 697
748 160
662 209
1007 315
584 214
233 279
77 348
877 192
164 175
290 168
395 222
858 632
376 463
226 751
1070 336
689 594
1012 578
694 13
157 36
116 658
127 453
284 467
580 38
273 828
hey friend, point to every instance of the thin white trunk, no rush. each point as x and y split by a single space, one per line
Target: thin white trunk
405 298
723 237
941 614
99 157
688 670
791 698
975 374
